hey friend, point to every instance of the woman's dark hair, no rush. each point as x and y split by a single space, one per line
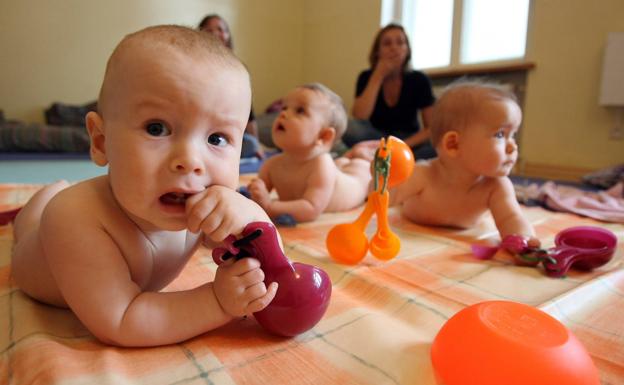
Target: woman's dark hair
205 21
373 57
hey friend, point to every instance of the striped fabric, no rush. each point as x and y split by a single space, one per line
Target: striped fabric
35 137
378 328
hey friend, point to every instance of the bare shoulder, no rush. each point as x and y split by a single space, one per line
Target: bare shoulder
79 203
500 190
87 192
500 185
269 163
323 166
422 175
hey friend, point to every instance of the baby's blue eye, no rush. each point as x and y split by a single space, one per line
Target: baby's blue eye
499 135
300 110
217 140
157 129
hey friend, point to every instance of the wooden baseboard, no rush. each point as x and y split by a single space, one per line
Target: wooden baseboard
548 171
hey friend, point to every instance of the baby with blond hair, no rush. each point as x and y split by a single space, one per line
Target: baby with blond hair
473 130
171 115
307 180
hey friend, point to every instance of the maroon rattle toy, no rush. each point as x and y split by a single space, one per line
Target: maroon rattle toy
304 290
580 247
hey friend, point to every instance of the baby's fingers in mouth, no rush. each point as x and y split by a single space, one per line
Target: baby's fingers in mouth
174 198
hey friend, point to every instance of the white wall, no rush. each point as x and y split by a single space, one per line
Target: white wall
337 38
564 125
57 50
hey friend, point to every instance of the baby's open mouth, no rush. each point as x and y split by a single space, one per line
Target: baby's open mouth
280 127
174 198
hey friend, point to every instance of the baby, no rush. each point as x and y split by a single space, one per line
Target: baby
171 115
473 130
307 180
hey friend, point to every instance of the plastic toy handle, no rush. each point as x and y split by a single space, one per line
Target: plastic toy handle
362 220
563 257
347 242
385 244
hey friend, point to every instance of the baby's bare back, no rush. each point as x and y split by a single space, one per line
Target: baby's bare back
343 184
430 199
84 231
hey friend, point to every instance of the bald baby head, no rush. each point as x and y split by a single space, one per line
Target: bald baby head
460 104
151 45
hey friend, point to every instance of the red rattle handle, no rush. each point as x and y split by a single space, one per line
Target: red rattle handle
304 290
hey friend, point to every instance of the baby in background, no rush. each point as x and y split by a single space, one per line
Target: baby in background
473 130
307 180
171 115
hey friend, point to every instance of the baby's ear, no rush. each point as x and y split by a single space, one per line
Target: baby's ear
95 127
327 135
450 143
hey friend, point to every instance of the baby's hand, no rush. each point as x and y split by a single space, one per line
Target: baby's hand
518 244
259 193
240 289
220 211
387 65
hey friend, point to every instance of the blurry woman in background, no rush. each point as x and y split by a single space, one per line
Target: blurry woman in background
389 97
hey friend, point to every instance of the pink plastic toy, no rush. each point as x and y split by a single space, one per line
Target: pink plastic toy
581 247
7 217
304 290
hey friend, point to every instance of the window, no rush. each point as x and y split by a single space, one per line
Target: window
447 33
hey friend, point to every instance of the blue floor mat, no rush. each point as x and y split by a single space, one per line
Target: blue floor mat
49 167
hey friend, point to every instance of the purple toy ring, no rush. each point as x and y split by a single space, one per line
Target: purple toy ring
581 247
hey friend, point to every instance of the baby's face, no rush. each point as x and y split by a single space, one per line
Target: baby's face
299 123
175 127
488 146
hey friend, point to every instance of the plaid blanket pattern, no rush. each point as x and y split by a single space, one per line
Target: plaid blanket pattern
378 329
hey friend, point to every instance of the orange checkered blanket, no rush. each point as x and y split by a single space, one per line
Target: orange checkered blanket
378 329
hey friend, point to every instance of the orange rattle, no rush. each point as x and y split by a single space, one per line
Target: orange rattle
347 242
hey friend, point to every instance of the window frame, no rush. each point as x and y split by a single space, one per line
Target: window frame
394 11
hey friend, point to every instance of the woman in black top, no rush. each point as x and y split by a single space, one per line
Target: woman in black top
390 95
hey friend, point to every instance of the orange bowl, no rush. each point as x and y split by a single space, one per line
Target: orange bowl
501 342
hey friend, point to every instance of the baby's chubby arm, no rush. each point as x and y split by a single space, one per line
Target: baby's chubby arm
507 212
318 192
94 276
260 188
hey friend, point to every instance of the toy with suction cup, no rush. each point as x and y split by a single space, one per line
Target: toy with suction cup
347 242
